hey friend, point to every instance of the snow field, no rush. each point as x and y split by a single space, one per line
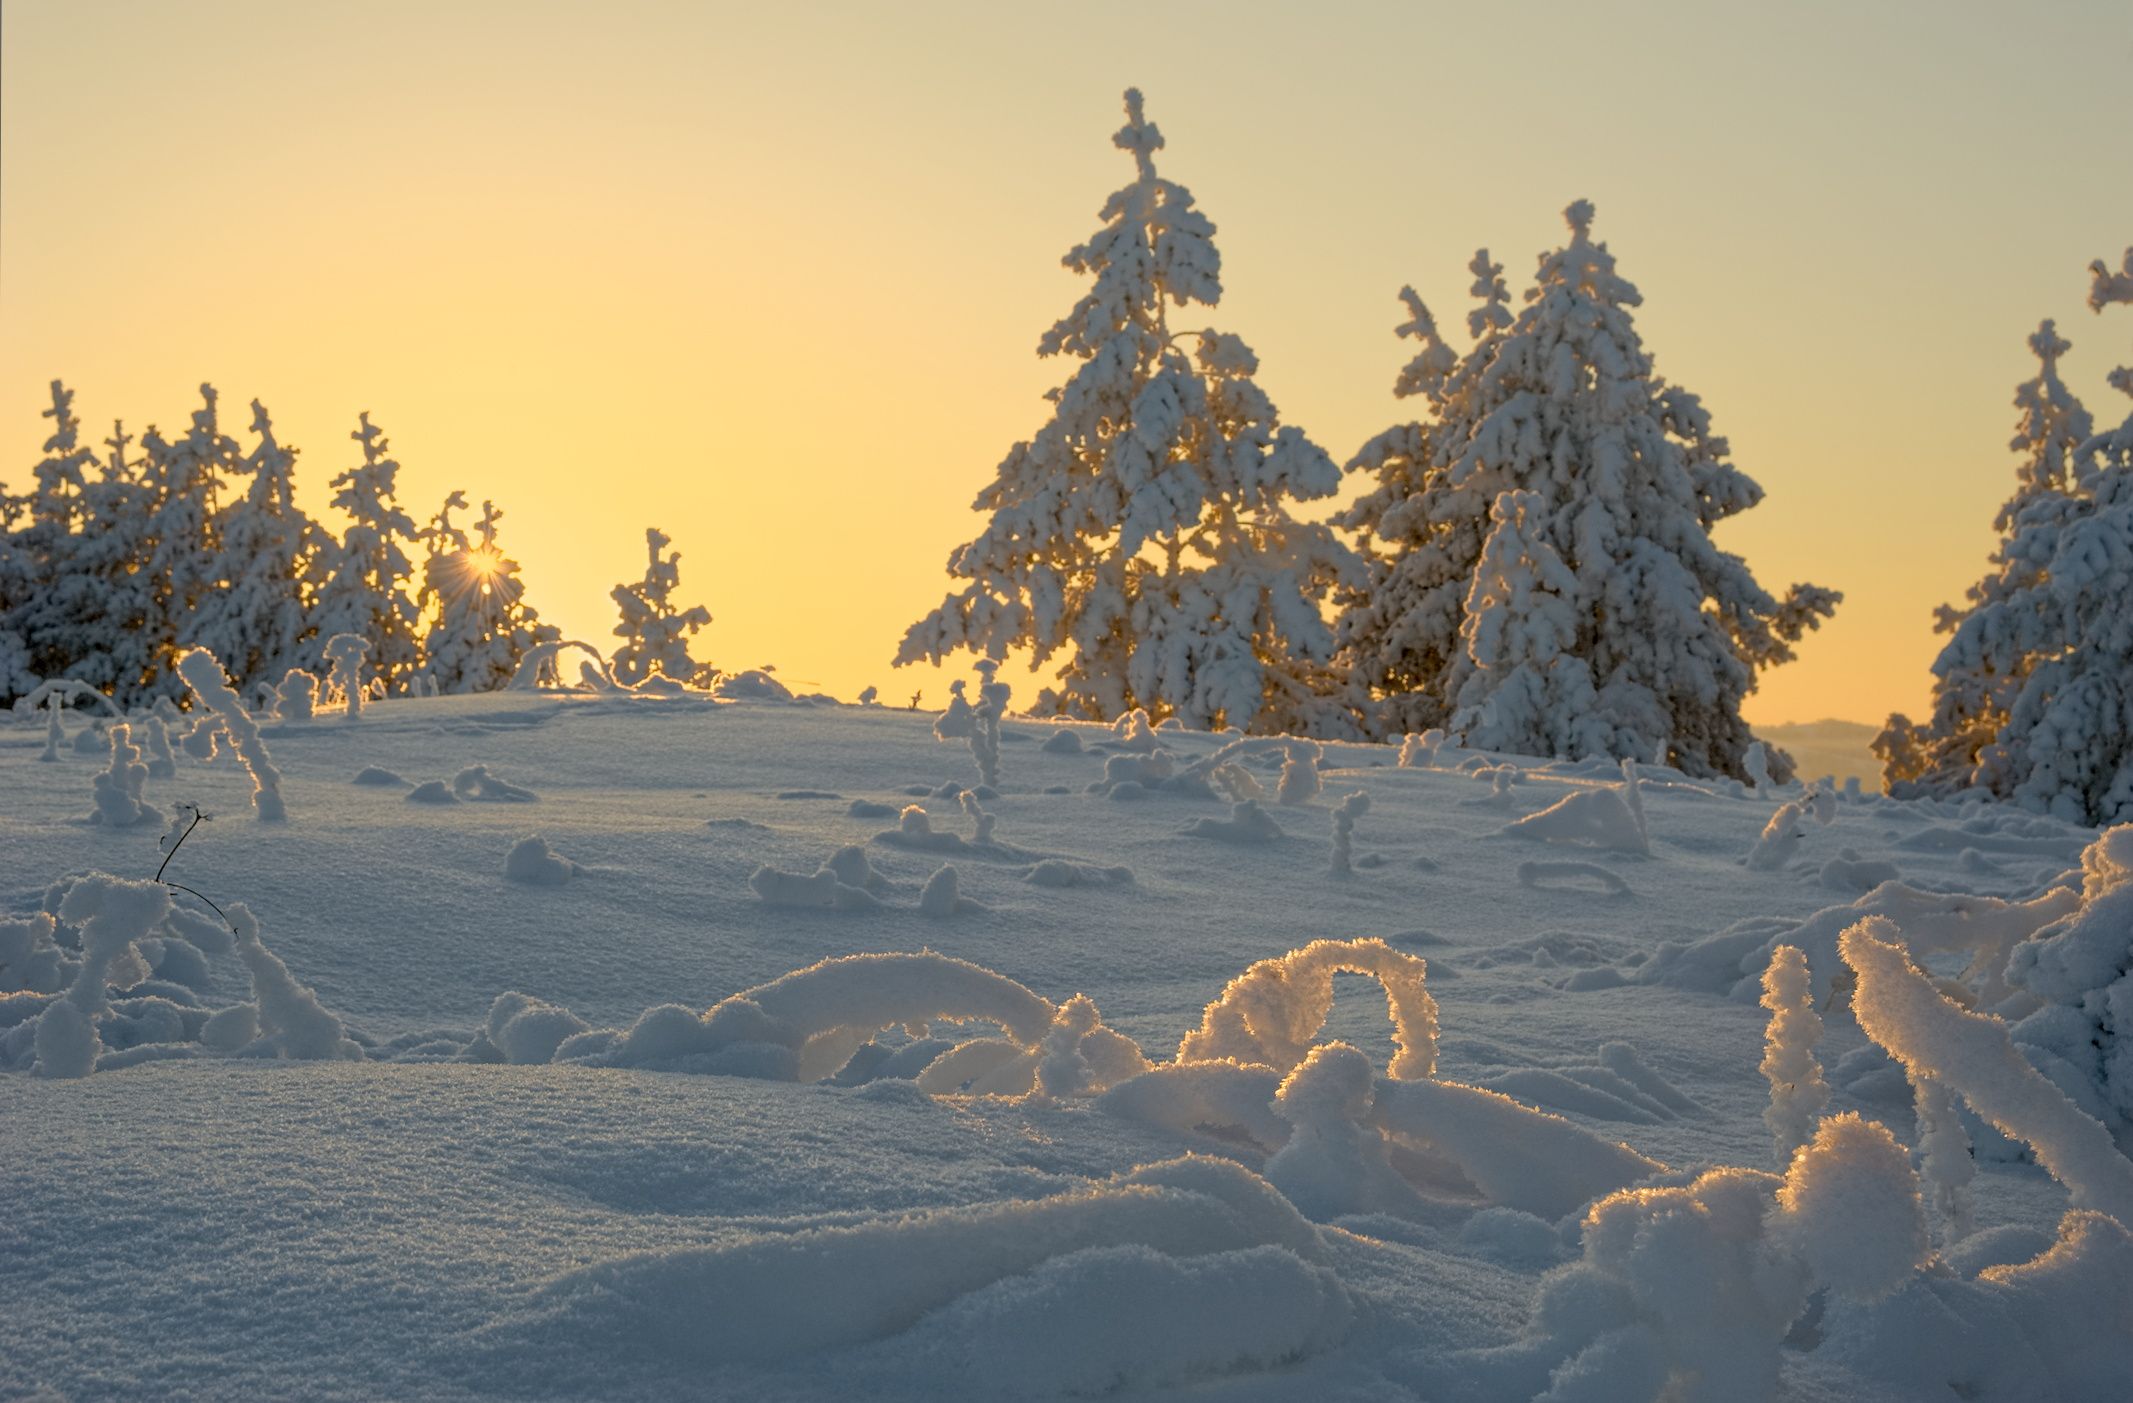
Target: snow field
1442 1138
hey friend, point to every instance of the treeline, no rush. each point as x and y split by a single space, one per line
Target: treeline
112 563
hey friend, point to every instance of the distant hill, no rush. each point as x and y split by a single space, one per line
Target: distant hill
1840 748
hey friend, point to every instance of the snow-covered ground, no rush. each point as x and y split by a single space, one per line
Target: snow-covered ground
416 1218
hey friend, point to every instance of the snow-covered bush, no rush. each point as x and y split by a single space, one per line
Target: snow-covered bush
1542 576
344 654
1145 531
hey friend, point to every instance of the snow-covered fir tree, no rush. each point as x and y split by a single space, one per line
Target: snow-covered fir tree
184 481
654 633
1970 696
2035 687
76 598
481 625
1622 479
1145 532
37 540
360 583
1400 632
255 621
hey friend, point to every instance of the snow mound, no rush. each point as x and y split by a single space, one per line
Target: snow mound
1084 1282
377 775
533 862
1247 823
476 785
753 685
1609 817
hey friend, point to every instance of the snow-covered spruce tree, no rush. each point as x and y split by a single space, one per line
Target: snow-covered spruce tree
1970 697
482 625
360 583
1144 532
1400 632
38 535
183 481
2034 690
655 635
1646 640
77 598
255 622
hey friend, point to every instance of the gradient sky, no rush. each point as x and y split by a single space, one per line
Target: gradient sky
771 276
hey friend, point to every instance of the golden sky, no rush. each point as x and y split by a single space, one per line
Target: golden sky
770 277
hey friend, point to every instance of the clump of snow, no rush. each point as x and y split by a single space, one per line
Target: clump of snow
1898 1006
1797 1091
344 654
1848 872
1755 764
1849 1208
942 895
1345 814
30 960
1271 1013
117 790
1247 823
1418 750
1062 742
821 890
532 861
204 676
1609 817
154 736
1299 783
1334 1161
475 783
296 698
525 1029
1944 1155
113 914
292 1022
755 684
432 791
378 776
1058 872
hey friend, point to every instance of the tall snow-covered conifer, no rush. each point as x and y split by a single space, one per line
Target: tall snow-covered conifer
38 540
482 624
254 622
1971 696
1622 630
361 583
184 480
2033 693
1144 532
654 633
